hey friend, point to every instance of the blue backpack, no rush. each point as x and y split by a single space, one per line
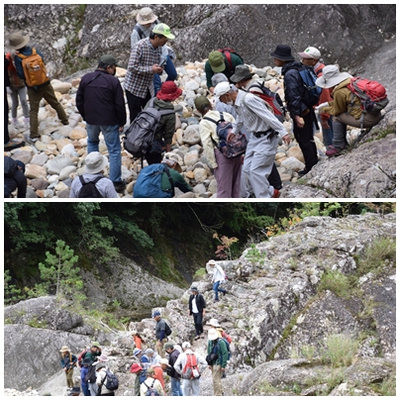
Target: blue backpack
148 185
312 92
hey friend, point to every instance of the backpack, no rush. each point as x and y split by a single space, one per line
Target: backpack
234 148
90 377
167 329
271 98
139 136
227 51
89 189
228 347
34 69
191 369
81 357
111 381
148 184
312 92
372 94
151 391
10 167
227 337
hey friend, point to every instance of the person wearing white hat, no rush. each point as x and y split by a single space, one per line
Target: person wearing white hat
345 107
311 57
68 363
264 130
217 358
217 279
95 164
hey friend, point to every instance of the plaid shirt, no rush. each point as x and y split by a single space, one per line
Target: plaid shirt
139 77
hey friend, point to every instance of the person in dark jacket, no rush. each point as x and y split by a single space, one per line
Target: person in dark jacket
100 101
303 116
68 363
173 353
197 308
17 181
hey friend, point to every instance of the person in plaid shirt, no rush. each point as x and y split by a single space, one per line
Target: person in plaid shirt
146 60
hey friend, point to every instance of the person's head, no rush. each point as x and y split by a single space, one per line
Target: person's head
214 323
169 91
164 364
310 56
194 290
146 17
282 55
216 61
149 353
150 372
87 360
136 369
218 78
172 160
137 352
202 104
213 334
108 63
331 77
225 93
100 365
242 75
17 41
169 347
64 350
160 35
95 164
186 346
211 263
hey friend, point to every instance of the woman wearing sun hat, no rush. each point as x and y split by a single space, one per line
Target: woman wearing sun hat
345 107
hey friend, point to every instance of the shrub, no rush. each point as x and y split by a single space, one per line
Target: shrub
340 350
336 282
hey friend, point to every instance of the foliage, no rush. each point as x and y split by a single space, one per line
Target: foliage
336 282
339 350
223 251
200 273
255 256
11 292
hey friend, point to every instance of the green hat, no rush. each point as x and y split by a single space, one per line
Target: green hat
162 29
201 102
108 59
217 61
96 344
168 345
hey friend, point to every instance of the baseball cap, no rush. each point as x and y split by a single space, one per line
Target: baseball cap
217 61
310 52
221 89
108 59
163 29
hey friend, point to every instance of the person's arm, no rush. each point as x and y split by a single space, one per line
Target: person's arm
120 105
206 130
20 178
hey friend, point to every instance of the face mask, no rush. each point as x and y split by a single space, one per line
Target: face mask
229 103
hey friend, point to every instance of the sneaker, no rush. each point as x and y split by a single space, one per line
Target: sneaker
13 145
225 293
119 186
197 337
303 172
333 151
277 193
30 139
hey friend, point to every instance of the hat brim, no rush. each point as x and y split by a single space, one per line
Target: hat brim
237 78
307 56
143 22
218 69
213 336
89 170
22 44
282 58
169 96
326 84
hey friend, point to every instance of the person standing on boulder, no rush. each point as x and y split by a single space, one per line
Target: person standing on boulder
161 336
218 278
217 358
197 308
173 353
68 363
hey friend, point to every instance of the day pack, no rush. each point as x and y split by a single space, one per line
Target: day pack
228 347
312 92
81 357
167 329
237 145
191 369
89 189
110 381
151 390
10 167
90 377
148 184
139 136
371 94
271 98
34 69
227 51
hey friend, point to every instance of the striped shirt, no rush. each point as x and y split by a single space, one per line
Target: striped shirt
139 76
254 115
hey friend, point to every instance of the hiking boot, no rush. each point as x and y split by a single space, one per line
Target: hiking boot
303 172
120 186
277 193
13 145
225 293
197 337
30 139
333 151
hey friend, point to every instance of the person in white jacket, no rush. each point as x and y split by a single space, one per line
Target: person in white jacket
190 386
100 380
217 278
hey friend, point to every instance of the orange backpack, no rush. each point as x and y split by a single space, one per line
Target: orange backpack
34 69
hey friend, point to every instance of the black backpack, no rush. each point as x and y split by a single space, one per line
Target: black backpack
89 189
90 377
10 167
167 329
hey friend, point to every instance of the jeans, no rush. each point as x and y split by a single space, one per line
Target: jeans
327 133
198 323
217 289
111 137
176 388
85 389
170 70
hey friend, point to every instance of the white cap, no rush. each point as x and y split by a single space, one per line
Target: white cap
186 345
310 52
221 89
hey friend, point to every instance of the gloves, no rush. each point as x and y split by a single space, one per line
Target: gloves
318 109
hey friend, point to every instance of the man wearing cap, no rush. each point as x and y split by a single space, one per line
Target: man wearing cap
264 129
345 107
311 57
197 308
94 168
190 386
227 171
100 101
173 355
68 363
217 358
217 62
303 115
145 61
100 379
45 91
151 382
160 332
146 21
166 127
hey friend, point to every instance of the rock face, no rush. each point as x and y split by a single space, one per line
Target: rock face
274 309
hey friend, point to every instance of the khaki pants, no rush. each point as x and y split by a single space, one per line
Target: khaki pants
216 377
160 347
44 92
68 374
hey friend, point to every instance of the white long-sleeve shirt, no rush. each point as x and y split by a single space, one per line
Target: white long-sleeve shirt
182 359
219 274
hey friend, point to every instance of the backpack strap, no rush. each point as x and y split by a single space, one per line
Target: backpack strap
228 59
171 182
139 32
221 119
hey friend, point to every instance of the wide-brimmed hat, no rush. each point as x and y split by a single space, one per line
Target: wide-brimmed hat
136 368
221 89
95 163
64 349
213 322
95 344
216 61
331 76
17 40
211 262
137 351
100 365
87 360
173 161
213 334
163 29
146 16
169 91
103 358
283 52
242 73
310 52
